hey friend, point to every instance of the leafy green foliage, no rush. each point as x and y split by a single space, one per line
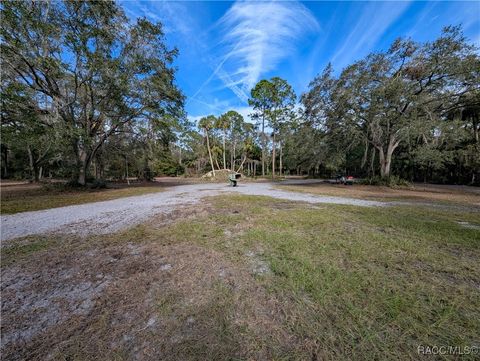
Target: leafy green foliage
273 102
87 71
425 94
87 95
392 181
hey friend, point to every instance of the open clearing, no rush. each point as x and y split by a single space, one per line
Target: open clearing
23 196
246 277
448 194
120 213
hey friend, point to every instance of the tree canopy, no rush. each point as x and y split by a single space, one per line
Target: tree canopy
87 71
87 94
411 93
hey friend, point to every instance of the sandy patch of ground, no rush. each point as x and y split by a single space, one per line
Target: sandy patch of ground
137 301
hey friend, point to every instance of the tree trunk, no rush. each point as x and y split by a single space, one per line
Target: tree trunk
85 157
372 162
5 161
224 158
385 162
30 162
98 166
263 145
36 173
126 170
82 164
365 155
381 157
33 166
241 165
273 156
385 158
233 154
146 169
281 155
210 153
81 179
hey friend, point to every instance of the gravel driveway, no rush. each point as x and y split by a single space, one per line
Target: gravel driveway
114 215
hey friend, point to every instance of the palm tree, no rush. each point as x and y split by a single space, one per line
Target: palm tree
207 123
235 121
223 123
247 143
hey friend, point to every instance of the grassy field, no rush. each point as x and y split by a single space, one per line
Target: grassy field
31 197
250 278
447 194
22 197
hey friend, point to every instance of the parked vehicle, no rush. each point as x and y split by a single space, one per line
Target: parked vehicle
341 179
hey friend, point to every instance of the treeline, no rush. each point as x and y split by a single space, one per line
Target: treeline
412 111
85 95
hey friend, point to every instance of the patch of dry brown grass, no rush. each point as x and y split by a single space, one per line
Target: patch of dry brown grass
248 278
121 297
32 197
417 193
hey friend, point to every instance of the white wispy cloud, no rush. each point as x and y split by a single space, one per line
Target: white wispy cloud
425 18
257 36
371 25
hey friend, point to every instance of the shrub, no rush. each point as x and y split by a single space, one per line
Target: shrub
392 181
98 184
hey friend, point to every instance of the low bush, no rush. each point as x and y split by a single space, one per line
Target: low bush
98 184
392 181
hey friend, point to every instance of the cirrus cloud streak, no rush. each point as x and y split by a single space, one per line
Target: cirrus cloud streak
257 36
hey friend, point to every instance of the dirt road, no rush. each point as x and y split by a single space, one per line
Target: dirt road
114 215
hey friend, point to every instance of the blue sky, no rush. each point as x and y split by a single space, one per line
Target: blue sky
226 47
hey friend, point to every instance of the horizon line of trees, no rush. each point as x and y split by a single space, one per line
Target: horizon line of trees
412 111
86 94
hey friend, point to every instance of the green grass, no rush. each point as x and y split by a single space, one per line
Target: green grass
361 283
19 251
349 282
38 199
